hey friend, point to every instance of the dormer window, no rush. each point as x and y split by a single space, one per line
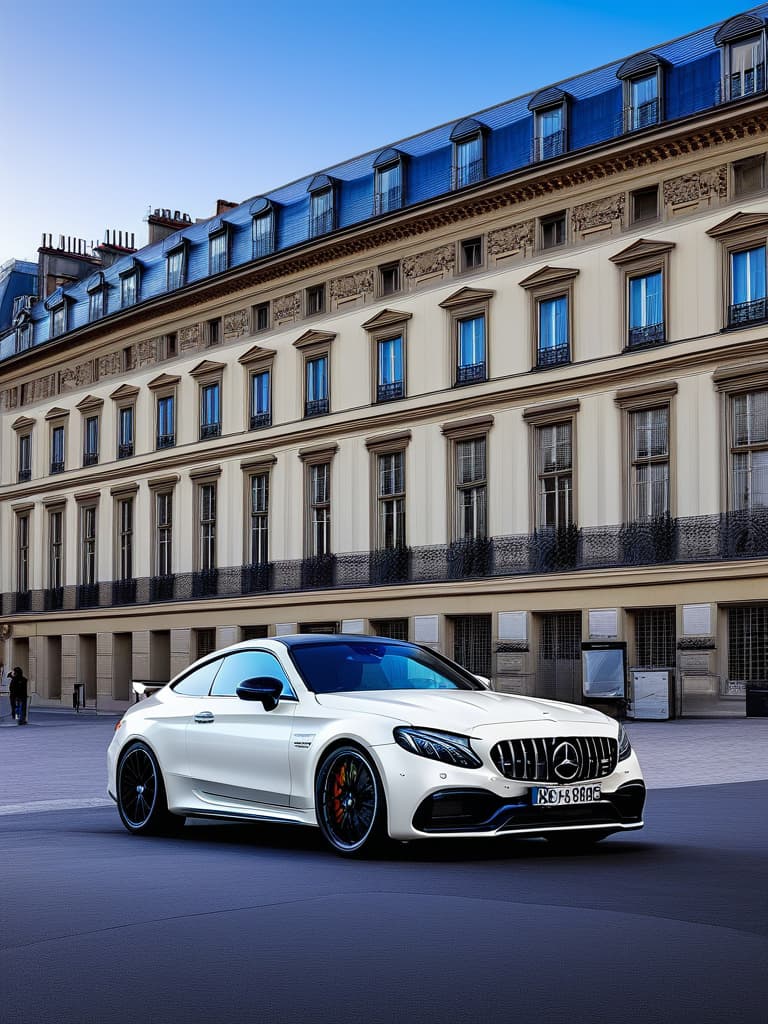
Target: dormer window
387 181
58 307
97 297
262 228
643 80
176 266
129 285
550 116
23 334
742 40
321 206
218 247
468 153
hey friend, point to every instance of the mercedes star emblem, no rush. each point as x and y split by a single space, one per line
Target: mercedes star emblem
565 761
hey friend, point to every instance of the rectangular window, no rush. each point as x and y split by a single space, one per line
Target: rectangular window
207 531
468 156
125 425
552 230
56 549
23 337
747 68
213 331
96 304
22 553
59 320
555 476
171 345
263 235
91 441
210 410
316 300
175 269
644 204
471 489
646 309
261 412
389 279
217 253
749 450
129 290
164 534
25 457
125 538
747 647
166 422
316 401
388 188
472 254
649 449
554 345
643 102
321 213
57 450
549 140
390 382
261 317
88 545
747 287
320 509
391 500
749 176
470 350
260 519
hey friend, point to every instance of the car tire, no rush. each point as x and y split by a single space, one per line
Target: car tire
141 797
350 803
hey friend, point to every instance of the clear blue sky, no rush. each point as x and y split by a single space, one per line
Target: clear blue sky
108 108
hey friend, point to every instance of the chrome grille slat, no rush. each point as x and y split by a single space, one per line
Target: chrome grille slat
531 759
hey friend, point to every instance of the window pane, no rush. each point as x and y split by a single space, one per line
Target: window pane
553 322
748 275
391 361
472 341
646 300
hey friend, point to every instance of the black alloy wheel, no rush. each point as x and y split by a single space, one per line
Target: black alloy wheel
349 800
141 798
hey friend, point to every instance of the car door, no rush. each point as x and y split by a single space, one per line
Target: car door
237 752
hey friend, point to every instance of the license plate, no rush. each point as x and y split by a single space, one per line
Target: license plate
557 796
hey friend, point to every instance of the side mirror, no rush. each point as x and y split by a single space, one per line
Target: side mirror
266 689
484 680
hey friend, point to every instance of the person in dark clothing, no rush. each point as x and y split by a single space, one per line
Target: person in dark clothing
18 694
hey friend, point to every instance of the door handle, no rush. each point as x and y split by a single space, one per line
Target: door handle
204 717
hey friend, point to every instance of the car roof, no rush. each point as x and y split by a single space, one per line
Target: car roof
301 639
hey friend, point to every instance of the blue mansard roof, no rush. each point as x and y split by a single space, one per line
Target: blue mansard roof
691 67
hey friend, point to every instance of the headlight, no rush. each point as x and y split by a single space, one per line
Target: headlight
625 747
440 746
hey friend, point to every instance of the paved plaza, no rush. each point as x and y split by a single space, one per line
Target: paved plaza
58 760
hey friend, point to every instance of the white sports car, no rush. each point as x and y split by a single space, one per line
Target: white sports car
368 738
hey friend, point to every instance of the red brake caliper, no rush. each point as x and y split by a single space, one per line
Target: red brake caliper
338 785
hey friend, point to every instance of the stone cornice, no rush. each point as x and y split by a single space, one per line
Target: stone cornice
705 130
738 222
89 402
57 413
22 423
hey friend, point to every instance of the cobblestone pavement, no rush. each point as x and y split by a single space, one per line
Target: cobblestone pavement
58 760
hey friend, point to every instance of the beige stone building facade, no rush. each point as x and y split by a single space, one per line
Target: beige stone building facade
525 413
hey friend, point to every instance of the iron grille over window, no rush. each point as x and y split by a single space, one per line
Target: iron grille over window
655 638
472 643
748 643
559 662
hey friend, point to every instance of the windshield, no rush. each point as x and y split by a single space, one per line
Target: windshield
341 667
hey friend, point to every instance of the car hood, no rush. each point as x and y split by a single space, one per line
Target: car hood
457 710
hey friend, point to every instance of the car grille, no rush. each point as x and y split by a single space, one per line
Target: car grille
546 760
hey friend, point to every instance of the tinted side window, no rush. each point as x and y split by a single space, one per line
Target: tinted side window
249 665
198 682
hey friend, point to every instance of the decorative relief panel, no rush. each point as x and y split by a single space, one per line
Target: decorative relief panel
190 337
699 185
515 237
9 399
599 213
110 364
434 261
286 309
146 352
40 389
236 324
78 376
350 285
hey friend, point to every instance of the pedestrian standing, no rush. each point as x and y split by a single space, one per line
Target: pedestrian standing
18 692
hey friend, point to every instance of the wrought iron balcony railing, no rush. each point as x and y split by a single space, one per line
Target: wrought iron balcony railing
389 392
125 450
165 441
557 355
57 466
208 430
24 475
321 223
643 115
467 174
261 419
754 312
90 458
315 407
652 334
385 202
663 540
548 146
471 374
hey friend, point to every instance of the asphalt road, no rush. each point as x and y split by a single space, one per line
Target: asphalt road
260 923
